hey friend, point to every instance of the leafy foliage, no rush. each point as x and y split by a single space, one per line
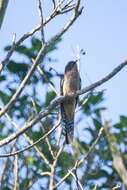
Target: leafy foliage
97 169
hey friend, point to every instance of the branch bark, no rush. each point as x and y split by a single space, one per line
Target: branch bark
57 101
32 145
3 7
56 11
37 60
118 162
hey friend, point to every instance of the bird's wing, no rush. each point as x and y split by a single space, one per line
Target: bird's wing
61 93
80 84
61 86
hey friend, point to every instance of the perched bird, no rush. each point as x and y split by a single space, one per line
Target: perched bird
70 83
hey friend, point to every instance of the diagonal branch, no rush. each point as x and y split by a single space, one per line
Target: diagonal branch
79 162
37 61
3 7
79 185
42 20
16 174
57 101
52 175
24 82
118 162
31 145
56 11
29 140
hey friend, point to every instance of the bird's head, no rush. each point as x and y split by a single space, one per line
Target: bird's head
70 66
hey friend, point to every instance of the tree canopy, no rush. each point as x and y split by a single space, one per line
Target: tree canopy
35 159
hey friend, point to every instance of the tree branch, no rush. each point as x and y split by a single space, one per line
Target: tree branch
37 60
79 162
31 145
16 173
3 6
57 101
118 162
52 174
42 20
24 82
56 11
29 140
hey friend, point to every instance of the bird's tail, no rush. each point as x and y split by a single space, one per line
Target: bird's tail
67 129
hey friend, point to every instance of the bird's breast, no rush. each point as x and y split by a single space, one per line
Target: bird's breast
71 84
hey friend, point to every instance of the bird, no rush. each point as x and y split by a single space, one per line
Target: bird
70 83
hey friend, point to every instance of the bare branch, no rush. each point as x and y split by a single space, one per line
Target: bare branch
46 78
117 187
37 60
52 175
29 140
55 12
79 185
47 140
42 20
30 146
58 100
79 162
24 82
95 187
3 6
118 162
54 4
4 167
16 180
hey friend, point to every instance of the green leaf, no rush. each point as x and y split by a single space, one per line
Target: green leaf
22 49
18 68
2 78
91 105
49 97
6 188
53 45
97 123
36 44
4 97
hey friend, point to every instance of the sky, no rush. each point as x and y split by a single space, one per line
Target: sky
101 31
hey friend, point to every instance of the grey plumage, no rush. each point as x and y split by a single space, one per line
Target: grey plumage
70 83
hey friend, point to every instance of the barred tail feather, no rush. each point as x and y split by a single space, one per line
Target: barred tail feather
68 130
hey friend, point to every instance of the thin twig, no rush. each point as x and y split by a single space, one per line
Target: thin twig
57 101
47 140
24 82
54 4
83 102
29 140
30 146
117 187
37 60
56 11
5 167
42 20
41 71
118 162
95 187
16 174
79 185
52 175
79 162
